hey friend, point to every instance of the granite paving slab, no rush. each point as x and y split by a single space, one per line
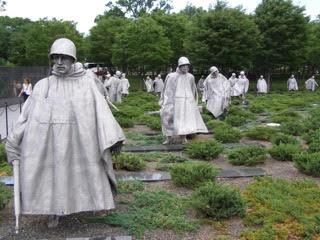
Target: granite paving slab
177 147
164 176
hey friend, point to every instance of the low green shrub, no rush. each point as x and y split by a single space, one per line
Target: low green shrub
193 174
213 124
129 161
248 156
235 120
125 122
314 146
285 116
312 135
129 186
150 211
153 122
205 150
173 159
3 153
283 139
5 195
281 209
218 201
284 152
227 134
308 163
295 128
261 133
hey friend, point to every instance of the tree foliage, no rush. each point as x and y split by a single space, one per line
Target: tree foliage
141 44
138 8
283 28
225 37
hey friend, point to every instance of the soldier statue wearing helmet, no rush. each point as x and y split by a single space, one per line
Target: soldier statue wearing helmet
65 130
179 112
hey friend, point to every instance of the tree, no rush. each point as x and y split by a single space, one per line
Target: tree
142 45
41 34
2 5
175 28
313 46
137 8
283 28
11 38
102 37
225 37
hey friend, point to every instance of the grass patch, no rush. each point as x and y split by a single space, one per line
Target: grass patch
140 139
261 133
204 150
129 186
295 128
281 209
308 163
153 210
283 139
248 156
227 134
129 161
5 168
284 152
218 201
193 174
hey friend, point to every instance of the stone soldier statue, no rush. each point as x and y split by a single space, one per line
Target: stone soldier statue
63 141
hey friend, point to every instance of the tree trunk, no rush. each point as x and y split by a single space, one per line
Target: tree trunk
269 79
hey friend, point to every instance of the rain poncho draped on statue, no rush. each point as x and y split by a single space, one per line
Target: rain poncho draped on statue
62 140
217 94
124 85
292 84
232 80
262 86
115 88
179 111
241 86
311 84
149 84
158 84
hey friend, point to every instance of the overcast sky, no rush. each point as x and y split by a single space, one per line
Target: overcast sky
84 12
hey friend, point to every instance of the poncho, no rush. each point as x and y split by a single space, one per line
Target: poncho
292 84
125 85
158 85
62 140
241 86
115 89
262 86
217 93
311 84
179 111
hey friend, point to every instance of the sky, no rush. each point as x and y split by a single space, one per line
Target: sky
84 12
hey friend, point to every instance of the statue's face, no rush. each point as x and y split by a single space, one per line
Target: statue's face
215 74
62 63
184 68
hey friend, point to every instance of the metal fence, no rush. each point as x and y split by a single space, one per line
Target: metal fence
10 109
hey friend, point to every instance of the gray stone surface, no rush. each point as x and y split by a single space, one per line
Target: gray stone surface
103 238
242 172
144 176
164 176
157 148
176 147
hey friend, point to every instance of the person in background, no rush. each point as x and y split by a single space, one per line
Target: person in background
241 86
26 89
